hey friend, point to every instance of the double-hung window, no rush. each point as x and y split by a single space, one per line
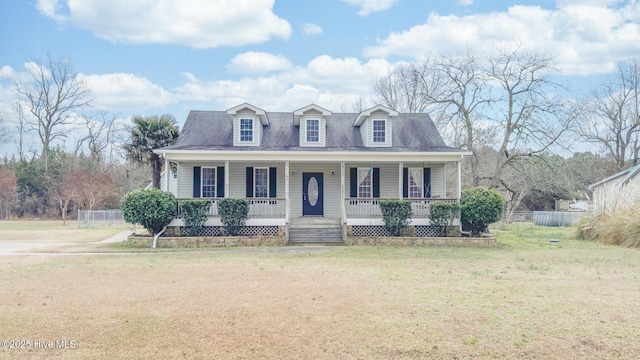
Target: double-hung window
246 130
365 183
416 183
313 130
379 131
208 179
261 182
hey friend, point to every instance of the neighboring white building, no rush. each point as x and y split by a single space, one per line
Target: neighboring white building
621 190
310 163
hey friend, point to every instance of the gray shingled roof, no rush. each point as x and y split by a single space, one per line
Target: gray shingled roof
213 130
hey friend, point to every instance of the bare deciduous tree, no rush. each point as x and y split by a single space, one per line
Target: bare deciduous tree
53 94
611 118
503 100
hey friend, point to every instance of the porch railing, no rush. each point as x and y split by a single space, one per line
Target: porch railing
258 208
370 207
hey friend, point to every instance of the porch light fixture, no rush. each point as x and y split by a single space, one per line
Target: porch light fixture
333 172
174 169
293 172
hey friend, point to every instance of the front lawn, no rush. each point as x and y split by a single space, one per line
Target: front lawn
527 298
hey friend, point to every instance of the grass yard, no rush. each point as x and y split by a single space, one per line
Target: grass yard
52 231
527 298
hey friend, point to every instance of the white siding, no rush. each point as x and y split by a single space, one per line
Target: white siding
609 196
332 200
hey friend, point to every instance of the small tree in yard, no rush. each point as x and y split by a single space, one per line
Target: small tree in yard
233 214
194 214
153 209
441 215
480 207
396 215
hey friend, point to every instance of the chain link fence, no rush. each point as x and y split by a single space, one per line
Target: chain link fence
101 219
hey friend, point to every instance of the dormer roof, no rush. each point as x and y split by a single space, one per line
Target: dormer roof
362 116
264 119
312 107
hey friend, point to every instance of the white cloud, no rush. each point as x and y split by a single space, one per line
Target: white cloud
311 29
584 38
258 63
465 2
330 82
194 23
126 92
369 6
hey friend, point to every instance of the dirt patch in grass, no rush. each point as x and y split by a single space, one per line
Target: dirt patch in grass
525 299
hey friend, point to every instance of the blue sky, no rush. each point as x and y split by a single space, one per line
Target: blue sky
171 56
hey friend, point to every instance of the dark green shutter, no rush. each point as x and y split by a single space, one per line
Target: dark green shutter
353 182
196 181
272 182
426 178
220 182
376 182
249 182
405 183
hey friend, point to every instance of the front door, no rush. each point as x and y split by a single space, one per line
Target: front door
312 194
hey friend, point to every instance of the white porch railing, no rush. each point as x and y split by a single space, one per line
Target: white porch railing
258 208
363 208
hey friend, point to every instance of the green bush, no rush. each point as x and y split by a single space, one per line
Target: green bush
194 215
442 215
480 207
153 209
396 215
233 214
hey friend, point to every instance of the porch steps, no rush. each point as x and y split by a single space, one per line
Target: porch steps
315 231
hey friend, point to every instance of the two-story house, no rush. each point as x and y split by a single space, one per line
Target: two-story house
312 168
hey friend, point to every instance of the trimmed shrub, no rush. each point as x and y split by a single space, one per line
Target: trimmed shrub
233 214
442 215
153 209
480 207
194 215
396 215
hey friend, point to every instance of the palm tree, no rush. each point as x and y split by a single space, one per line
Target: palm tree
147 134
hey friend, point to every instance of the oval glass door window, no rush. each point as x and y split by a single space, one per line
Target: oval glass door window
313 191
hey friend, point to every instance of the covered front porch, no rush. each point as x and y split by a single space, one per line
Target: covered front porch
341 189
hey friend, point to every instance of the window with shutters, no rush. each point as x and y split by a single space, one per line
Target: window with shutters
208 182
365 183
416 183
261 182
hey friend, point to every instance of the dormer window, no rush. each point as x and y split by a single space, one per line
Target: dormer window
379 131
312 121
246 130
313 130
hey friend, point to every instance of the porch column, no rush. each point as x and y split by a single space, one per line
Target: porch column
287 201
400 179
166 174
459 181
226 178
342 193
